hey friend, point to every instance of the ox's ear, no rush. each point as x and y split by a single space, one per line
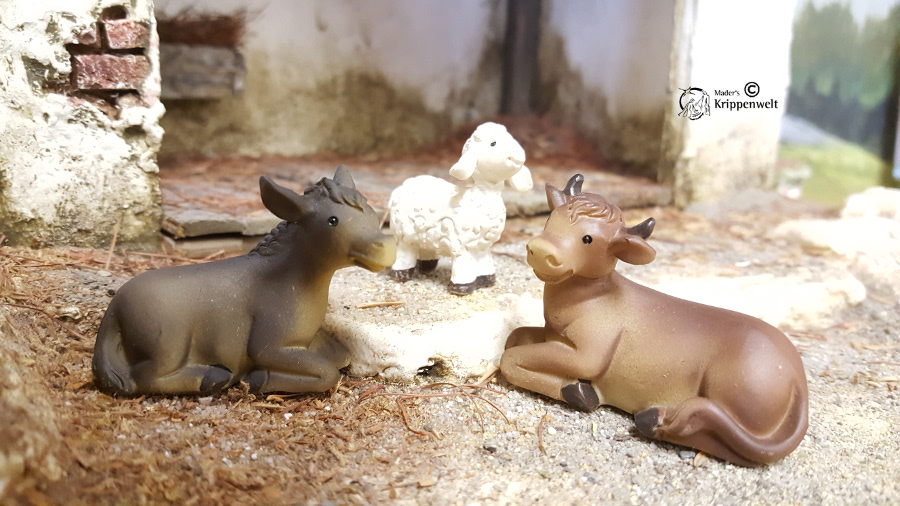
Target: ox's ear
521 181
632 249
555 197
342 177
284 203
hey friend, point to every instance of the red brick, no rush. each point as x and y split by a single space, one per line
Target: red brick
88 37
110 72
126 34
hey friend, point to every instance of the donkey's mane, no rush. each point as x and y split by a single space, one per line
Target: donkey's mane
592 206
324 188
337 193
266 245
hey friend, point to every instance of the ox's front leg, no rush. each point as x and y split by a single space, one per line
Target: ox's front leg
534 363
286 368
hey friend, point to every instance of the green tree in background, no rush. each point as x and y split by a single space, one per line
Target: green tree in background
844 77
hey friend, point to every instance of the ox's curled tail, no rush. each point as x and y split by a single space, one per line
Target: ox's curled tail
702 424
112 372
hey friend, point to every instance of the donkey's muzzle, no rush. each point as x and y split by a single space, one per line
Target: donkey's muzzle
378 255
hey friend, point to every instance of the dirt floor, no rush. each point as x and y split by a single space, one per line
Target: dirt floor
368 442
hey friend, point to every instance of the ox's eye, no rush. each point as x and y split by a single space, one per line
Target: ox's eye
493 143
587 239
333 221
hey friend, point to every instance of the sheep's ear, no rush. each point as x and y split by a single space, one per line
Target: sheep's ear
632 249
284 203
521 181
342 177
555 197
465 167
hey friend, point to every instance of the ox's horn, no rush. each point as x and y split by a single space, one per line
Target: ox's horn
573 187
642 229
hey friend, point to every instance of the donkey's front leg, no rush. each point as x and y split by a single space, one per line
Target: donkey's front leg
280 368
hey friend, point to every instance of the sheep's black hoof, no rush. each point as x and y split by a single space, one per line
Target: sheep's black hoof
581 395
647 421
402 275
485 281
426 266
462 288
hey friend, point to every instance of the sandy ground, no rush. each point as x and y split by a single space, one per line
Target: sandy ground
368 442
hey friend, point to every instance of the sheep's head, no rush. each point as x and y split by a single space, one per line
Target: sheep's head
491 155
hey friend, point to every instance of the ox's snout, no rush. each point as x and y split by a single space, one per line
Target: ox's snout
545 259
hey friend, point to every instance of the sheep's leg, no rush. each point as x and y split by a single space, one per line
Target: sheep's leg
463 274
486 270
405 264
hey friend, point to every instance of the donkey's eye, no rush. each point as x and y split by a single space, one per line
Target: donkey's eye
333 221
493 143
587 239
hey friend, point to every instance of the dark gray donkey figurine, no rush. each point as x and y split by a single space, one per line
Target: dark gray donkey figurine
197 329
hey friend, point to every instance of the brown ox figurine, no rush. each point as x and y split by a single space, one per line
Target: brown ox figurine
719 381
197 329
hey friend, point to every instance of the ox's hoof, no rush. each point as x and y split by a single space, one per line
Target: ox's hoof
426 266
462 288
485 281
581 395
647 421
401 276
215 379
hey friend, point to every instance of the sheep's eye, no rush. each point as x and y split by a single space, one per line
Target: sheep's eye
333 221
587 239
493 143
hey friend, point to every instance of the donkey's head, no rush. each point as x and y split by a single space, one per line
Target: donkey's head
331 221
585 236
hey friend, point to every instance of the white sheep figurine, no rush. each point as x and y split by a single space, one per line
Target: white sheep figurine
431 217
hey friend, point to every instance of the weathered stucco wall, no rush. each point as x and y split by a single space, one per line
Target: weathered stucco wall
604 69
75 158
721 48
347 76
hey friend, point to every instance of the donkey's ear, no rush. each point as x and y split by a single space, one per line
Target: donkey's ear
554 197
342 177
284 203
632 249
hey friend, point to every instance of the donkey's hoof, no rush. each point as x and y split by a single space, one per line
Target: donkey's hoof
257 380
647 421
426 266
462 288
402 275
581 395
215 379
485 280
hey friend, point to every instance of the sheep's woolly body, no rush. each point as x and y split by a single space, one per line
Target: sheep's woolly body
421 221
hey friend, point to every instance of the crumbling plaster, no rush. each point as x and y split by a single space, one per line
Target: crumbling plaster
346 76
69 171
604 68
